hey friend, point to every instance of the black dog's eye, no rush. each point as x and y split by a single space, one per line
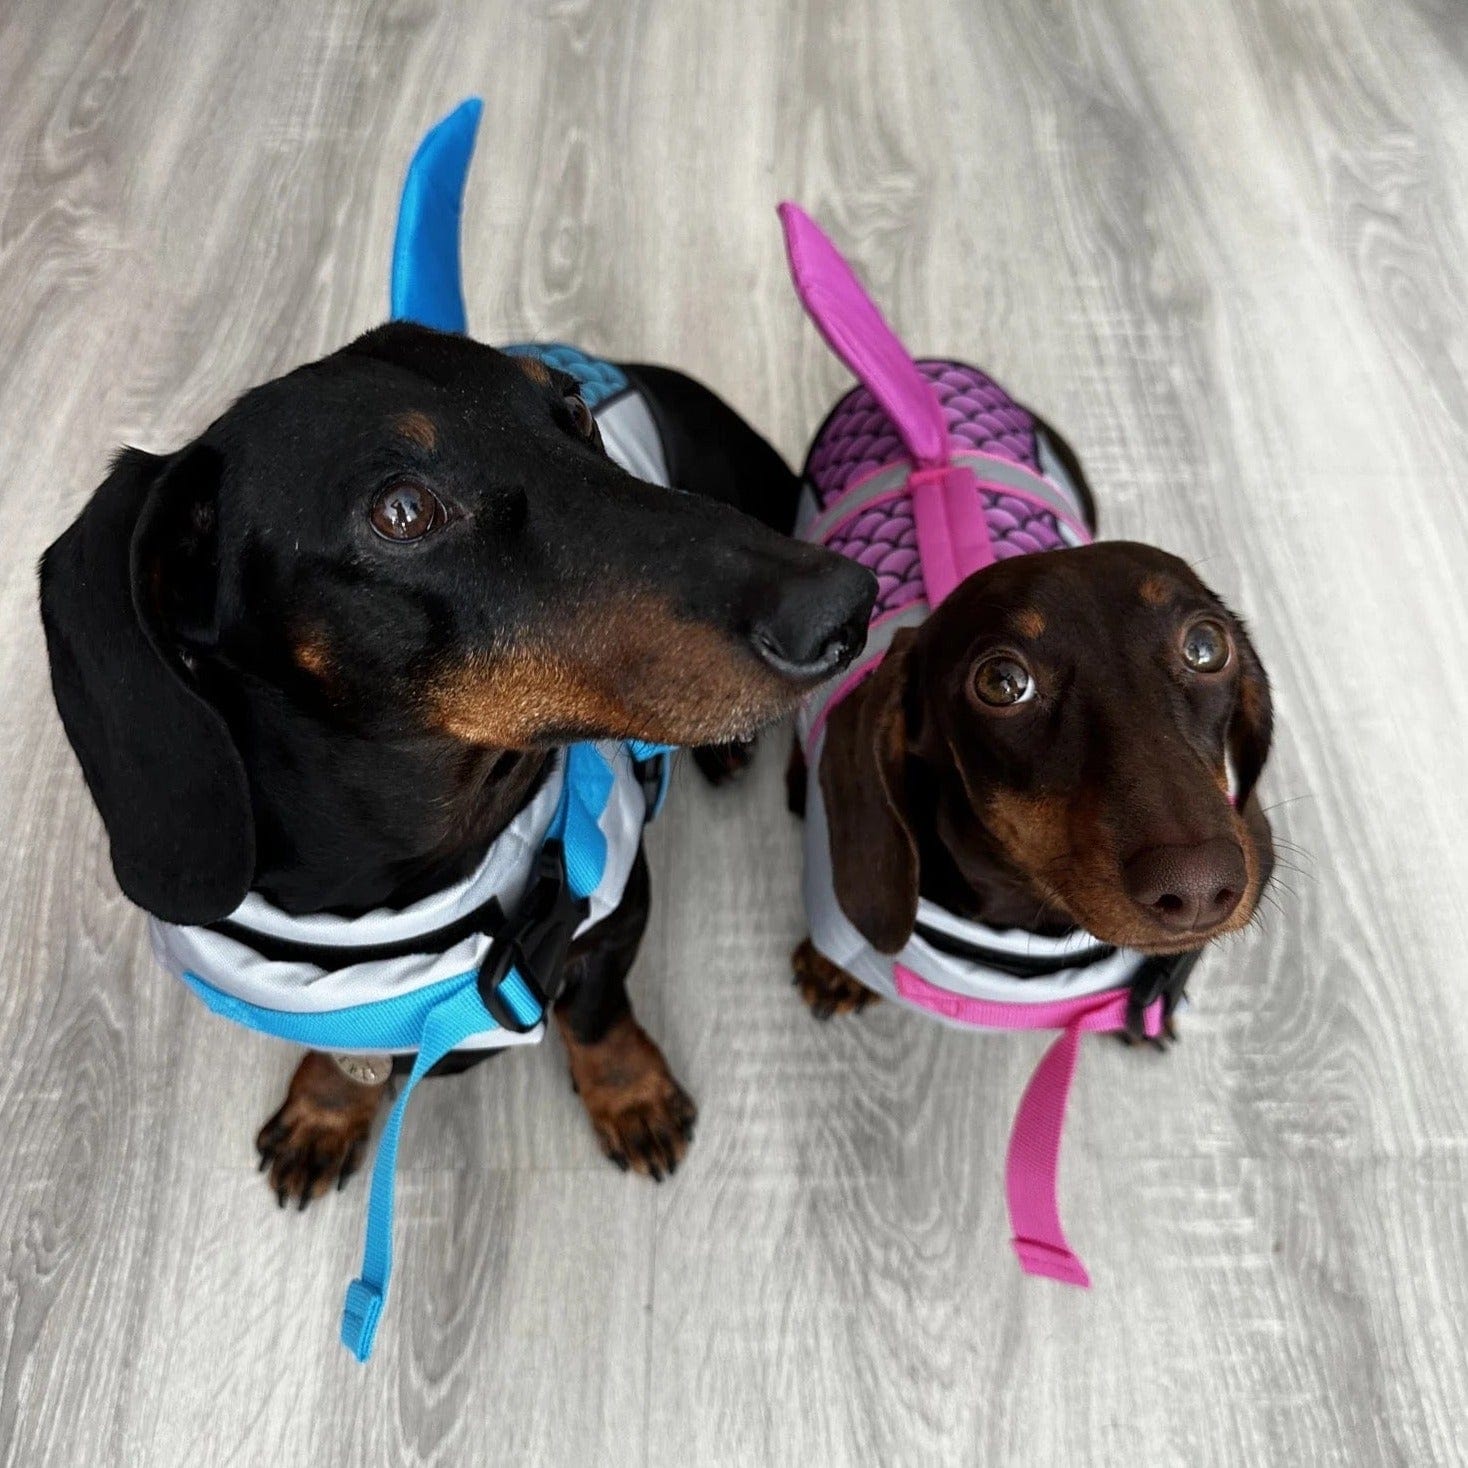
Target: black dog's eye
1206 646
581 417
406 511
1002 682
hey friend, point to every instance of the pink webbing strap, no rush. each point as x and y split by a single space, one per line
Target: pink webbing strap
1032 1167
952 534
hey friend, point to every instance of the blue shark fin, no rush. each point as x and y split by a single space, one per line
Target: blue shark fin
427 278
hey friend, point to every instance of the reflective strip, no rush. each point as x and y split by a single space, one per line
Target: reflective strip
884 483
999 473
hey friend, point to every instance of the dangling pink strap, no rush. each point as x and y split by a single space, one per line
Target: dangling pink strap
1032 1167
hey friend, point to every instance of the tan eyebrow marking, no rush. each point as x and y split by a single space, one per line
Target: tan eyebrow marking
1155 591
312 655
534 369
1029 621
417 428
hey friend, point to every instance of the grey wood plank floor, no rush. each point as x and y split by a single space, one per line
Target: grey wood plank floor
1226 246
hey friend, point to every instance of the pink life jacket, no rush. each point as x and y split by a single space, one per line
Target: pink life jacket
926 473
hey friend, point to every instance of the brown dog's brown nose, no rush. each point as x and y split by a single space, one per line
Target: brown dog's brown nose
1188 888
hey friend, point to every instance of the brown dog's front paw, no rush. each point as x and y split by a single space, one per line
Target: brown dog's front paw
318 1135
825 987
1134 1035
642 1117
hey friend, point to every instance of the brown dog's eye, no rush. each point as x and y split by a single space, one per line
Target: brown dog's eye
581 415
1206 647
406 511
1002 681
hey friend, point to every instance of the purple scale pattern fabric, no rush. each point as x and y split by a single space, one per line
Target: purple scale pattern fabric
858 438
884 539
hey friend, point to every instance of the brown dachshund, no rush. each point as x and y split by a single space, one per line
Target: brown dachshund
1069 741
1045 764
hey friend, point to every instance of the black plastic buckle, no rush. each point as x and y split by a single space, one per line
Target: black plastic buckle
534 942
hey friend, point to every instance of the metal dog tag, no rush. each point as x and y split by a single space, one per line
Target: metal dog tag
366 1070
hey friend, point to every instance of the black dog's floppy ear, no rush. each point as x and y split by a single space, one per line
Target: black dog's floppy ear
158 758
1251 725
874 858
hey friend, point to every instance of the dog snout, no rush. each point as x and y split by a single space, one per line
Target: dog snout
1188 889
815 623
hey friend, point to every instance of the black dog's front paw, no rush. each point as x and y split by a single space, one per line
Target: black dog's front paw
721 763
318 1135
642 1117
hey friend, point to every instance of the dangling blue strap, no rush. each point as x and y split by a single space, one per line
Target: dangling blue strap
426 275
586 788
452 1022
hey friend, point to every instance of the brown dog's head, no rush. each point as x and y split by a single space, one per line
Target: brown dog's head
1071 738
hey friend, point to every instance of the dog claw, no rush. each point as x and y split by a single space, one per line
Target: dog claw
350 1166
308 1187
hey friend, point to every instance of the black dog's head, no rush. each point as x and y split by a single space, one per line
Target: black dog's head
378 573
1072 737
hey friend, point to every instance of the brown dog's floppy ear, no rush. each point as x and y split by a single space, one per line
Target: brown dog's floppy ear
158 758
1251 725
874 859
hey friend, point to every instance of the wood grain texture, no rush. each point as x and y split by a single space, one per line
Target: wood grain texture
1226 247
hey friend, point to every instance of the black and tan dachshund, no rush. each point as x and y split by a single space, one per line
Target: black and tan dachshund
325 653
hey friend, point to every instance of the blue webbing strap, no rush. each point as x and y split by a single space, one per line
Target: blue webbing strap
584 794
450 1023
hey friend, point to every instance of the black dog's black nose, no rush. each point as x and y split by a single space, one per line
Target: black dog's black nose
817 622
1188 889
